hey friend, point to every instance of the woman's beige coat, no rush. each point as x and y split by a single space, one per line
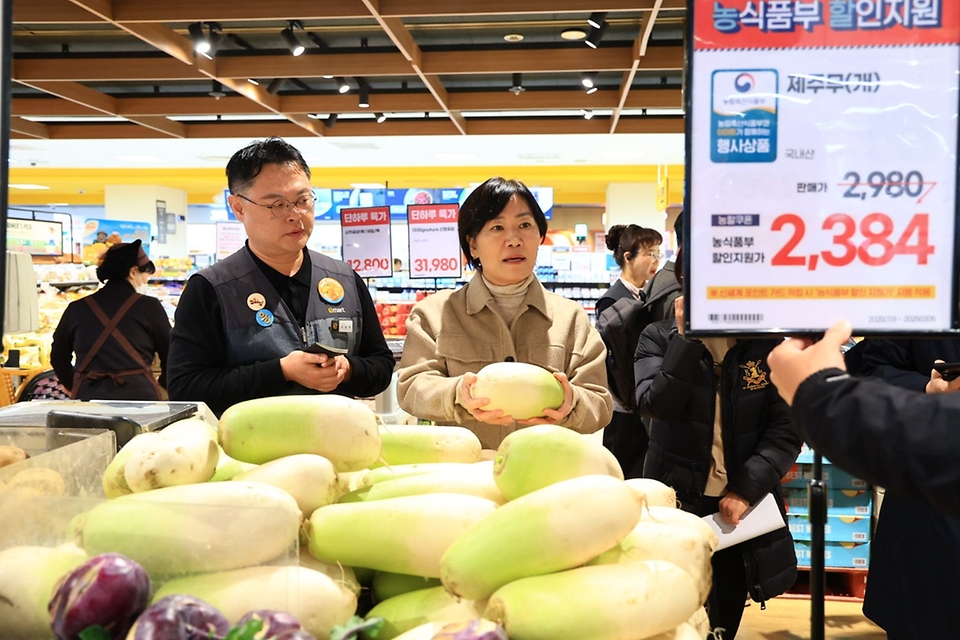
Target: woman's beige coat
451 333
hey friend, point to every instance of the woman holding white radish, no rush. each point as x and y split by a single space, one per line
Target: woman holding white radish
502 314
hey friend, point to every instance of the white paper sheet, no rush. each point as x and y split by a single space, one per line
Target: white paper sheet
759 519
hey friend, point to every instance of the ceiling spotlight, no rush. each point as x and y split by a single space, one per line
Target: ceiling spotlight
592 90
587 113
275 85
588 79
513 37
201 43
596 19
342 85
216 39
291 40
593 40
364 100
573 34
216 91
253 82
517 87
331 120
314 116
381 117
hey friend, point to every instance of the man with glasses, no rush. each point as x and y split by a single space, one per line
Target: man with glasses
275 318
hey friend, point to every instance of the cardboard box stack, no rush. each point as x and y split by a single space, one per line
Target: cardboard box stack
849 511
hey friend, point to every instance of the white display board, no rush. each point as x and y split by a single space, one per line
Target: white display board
822 165
365 233
434 241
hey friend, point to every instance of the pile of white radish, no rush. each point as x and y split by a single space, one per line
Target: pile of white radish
546 540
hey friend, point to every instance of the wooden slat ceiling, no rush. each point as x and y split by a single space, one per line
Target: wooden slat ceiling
127 68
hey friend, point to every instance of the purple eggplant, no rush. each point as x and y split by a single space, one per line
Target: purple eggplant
274 623
180 617
109 590
478 629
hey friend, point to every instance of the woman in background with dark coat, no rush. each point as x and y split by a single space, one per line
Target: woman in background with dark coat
721 436
114 333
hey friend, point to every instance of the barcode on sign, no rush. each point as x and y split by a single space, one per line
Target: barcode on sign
735 317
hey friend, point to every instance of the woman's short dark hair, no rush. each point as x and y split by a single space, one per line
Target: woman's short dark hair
629 239
246 164
116 262
485 203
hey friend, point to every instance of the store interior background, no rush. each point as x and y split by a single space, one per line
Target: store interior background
593 179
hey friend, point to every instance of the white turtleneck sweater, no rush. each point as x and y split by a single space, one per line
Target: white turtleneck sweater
509 298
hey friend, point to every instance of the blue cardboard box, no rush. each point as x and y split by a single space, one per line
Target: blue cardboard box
840 502
835 478
837 528
847 555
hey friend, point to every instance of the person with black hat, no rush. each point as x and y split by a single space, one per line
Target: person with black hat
114 333
275 318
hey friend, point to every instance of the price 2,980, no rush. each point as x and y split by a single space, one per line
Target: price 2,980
876 248
434 265
893 184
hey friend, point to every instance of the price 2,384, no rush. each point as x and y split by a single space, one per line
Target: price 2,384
435 265
876 248
893 184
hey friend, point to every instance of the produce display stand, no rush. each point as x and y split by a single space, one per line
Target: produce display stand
45 499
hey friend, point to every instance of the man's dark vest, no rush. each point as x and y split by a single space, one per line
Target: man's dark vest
259 326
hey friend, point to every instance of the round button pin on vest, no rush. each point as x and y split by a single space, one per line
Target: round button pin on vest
330 290
256 301
264 318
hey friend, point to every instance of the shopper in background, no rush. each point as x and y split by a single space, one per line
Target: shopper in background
243 324
636 251
664 287
502 314
913 543
721 436
904 441
114 333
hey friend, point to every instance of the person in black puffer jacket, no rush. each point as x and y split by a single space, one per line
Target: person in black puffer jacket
722 461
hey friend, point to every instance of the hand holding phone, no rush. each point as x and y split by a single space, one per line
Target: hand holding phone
949 371
328 351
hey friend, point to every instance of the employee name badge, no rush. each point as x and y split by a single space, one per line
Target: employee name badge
744 119
344 325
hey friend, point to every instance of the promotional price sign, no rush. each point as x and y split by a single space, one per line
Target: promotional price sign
434 241
366 240
822 153
230 238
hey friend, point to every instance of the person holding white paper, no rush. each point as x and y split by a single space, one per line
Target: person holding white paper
722 438
502 314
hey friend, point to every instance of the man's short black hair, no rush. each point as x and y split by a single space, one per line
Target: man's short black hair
246 164
485 203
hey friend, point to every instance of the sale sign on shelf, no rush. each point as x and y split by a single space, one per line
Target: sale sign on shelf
366 240
822 166
434 241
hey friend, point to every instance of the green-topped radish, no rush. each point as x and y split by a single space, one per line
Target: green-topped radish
340 429
518 389
418 443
